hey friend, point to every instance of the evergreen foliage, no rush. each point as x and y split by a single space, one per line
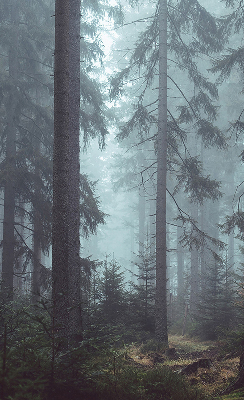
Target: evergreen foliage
216 311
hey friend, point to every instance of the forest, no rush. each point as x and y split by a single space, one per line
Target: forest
122 199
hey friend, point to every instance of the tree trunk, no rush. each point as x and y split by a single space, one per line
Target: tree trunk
9 188
161 292
18 281
36 273
75 325
194 278
180 267
142 214
66 216
141 236
60 245
37 227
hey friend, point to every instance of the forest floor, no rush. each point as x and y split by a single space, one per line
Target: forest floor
183 351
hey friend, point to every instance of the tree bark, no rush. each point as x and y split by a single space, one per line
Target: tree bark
161 331
9 187
66 215
75 325
60 277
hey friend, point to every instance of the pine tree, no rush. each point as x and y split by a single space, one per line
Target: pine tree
170 143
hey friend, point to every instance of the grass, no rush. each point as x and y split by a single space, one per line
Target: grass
189 345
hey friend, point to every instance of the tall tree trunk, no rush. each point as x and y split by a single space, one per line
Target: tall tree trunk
142 215
161 291
37 227
60 246
66 217
152 210
194 278
74 171
180 266
37 253
18 279
9 189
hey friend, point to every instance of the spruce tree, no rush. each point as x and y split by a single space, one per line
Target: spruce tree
170 141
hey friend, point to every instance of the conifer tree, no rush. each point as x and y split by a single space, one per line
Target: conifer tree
170 144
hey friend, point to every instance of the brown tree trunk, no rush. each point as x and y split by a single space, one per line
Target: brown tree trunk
161 280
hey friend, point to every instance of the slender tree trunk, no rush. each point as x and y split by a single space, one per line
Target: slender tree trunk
37 253
18 281
194 279
203 253
141 236
9 188
37 227
180 266
142 214
161 292
152 210
231 240
66 216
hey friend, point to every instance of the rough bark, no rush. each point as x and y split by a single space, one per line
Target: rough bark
60 245
74 171
9 187
161 292
66 216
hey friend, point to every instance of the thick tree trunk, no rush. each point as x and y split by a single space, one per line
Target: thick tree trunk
9 188
161 292
66 216
60 246
74 171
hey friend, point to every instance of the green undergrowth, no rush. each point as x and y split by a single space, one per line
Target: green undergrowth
237 394
95 380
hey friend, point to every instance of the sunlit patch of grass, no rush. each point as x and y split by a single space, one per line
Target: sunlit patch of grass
180 362
237 394
189 345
